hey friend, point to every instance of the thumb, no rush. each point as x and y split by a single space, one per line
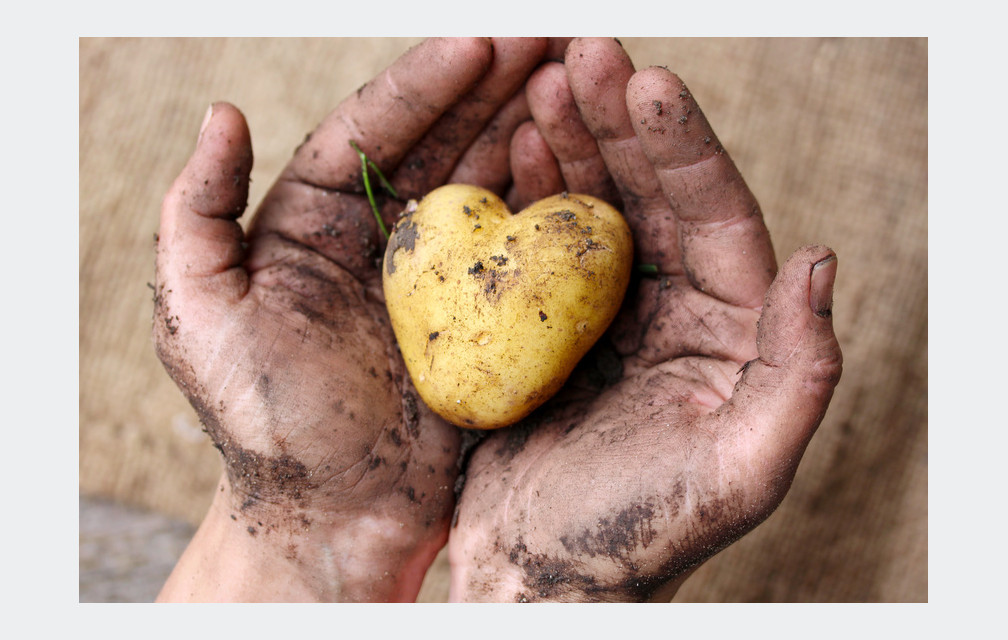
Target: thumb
199 238
782 396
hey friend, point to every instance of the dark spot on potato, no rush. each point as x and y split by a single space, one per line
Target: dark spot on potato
586 245
433 335
476 269
403 237
542 316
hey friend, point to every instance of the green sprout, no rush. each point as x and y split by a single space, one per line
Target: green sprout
365 164
648 269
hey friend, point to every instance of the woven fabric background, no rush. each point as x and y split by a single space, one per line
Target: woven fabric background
831 135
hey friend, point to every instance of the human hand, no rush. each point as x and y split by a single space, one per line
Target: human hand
683 429
338 482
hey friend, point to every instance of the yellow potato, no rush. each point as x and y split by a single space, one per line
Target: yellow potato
491 310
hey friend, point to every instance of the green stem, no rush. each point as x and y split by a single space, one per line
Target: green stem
365 163
650 269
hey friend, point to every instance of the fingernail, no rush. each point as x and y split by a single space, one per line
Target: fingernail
821 294
206 121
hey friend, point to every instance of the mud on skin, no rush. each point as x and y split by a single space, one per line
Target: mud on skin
575 575
623 557
256 476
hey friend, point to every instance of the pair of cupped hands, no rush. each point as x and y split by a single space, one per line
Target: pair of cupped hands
679 433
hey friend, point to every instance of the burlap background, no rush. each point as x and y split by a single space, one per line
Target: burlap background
831 135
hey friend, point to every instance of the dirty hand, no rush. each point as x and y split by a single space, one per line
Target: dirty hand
683 429
338 482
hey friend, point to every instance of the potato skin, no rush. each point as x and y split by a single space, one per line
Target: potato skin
492 311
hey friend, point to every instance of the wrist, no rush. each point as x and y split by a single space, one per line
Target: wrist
472 581
519 574
282 552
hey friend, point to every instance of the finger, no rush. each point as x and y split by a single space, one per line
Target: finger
487 162
432 160
598 70
726 248
557 118
535 169
200 246
782 396
391 113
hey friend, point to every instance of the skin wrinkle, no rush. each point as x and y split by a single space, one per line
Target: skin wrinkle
656 345
715 228
694 176
711 333
260 405
624 158
727 384
304 181
646 217
519 478
582 171
219 228
413 106
364 465
797 347
324 209
285 260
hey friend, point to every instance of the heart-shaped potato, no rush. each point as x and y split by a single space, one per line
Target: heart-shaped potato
491 310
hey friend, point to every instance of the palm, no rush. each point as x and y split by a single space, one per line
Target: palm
320 365
591 494
279 335
660 450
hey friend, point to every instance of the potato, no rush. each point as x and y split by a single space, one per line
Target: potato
492 311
